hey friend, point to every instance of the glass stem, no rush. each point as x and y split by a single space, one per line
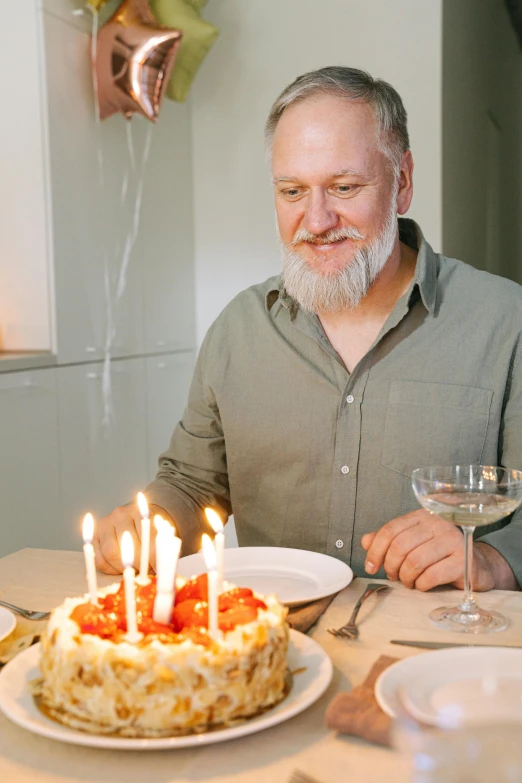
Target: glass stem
468 604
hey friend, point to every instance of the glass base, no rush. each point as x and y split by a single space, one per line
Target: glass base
452 618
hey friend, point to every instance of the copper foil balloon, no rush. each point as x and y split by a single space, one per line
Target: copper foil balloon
134 60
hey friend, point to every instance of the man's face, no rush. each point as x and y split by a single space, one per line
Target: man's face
330 180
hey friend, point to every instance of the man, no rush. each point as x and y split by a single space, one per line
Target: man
316 395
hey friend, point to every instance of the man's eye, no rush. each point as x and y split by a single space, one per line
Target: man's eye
344 188
291 192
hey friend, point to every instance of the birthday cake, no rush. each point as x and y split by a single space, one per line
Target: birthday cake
178 679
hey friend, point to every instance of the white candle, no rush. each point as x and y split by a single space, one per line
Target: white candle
162 611
209 553
168 547
143 577
163 532
127 556
219 544
88 551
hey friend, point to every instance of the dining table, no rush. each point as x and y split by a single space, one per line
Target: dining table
41 579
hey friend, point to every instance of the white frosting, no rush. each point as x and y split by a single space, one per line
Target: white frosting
156 688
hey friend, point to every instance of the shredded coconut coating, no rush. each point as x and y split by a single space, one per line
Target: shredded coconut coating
155 689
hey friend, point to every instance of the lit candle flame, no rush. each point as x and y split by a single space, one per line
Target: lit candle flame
142 505
214 520
159 523
209 553
127 550
88 529
162 526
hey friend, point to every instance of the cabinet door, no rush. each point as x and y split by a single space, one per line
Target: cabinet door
166 235
168 382
104 463
29 462
25 323
93 190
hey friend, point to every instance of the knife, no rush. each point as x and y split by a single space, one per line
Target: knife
442 645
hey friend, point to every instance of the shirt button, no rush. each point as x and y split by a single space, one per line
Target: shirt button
339 544
345 469
350 398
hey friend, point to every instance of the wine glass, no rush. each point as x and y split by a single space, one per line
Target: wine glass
470 496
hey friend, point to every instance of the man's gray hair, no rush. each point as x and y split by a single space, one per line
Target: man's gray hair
353 84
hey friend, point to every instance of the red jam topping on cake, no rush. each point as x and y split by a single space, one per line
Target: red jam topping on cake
189 617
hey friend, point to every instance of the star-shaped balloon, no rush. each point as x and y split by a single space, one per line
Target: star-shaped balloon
134 59
198 38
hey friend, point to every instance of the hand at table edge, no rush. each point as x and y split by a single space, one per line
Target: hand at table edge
500 570
108 533
424 551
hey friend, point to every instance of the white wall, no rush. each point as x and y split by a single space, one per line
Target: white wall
482 136
25 322
263 46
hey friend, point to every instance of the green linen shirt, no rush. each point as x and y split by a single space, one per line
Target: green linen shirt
308 455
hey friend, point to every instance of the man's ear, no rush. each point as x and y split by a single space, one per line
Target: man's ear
405 194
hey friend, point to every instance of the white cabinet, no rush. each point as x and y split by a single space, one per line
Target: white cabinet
102 464
60 458
166 235
25 312
168 382
29 462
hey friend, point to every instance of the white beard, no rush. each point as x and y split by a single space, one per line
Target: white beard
347 287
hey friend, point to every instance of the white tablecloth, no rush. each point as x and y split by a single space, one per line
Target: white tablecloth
40 579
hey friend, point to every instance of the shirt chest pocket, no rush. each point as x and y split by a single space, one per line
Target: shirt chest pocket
434 424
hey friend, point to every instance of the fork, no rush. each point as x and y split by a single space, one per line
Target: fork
27 613
301 777
350 629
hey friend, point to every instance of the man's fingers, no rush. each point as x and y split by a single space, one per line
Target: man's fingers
403 545
108 561
424 557
441 573
384 537
109 531
130 527
367 539
101 563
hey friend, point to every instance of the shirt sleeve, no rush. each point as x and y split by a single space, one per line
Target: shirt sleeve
508 540
192 473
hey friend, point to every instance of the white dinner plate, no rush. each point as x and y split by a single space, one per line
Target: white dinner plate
296 576
462 686
7 622
309 683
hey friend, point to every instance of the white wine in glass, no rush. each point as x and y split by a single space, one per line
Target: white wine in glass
470 496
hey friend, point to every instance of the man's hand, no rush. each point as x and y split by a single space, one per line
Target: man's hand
108 533
423 551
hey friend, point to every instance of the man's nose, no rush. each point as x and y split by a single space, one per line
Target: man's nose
319 216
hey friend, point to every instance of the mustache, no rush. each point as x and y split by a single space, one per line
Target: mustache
334 235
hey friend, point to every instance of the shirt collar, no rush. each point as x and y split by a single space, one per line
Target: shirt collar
278 293
426 270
